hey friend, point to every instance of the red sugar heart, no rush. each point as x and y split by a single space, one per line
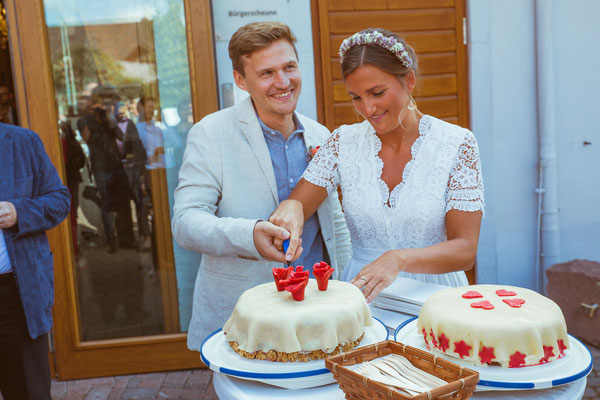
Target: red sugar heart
516 303
471 294
485 304
503 292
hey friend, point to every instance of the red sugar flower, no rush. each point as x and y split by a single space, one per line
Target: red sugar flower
547 354
444 343
462 349
296 283
486 355
516 360
322 271
471 294
561 347
281 274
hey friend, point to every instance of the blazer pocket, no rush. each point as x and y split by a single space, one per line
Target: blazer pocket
22 187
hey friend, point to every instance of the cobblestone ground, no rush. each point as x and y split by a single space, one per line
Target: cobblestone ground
196 384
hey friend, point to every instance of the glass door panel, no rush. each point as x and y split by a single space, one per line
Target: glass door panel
122 88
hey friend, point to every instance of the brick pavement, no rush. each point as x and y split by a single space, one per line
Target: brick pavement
196 384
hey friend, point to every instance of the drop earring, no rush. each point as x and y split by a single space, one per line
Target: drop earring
412 104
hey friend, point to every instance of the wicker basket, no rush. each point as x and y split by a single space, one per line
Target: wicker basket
461 380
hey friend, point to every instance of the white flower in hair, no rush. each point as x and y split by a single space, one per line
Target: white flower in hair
379 39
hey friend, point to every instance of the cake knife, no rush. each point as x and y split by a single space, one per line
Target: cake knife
286 244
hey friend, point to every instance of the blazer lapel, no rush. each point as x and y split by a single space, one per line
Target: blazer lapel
254 134
6 166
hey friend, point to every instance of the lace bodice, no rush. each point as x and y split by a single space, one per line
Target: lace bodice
444 173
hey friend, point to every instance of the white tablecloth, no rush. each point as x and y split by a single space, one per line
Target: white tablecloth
229 388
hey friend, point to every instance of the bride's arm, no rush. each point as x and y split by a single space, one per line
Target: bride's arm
291 214
455 254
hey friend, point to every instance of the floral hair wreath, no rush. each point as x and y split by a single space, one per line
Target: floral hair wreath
379 39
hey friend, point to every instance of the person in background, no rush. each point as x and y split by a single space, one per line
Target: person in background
239 163
411 184
32 201
74 161
134 162
103 138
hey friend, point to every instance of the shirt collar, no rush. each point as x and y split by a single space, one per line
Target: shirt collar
299 127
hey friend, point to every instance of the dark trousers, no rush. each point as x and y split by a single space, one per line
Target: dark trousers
24 365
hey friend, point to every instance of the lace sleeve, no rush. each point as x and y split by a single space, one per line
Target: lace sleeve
323 168
465 187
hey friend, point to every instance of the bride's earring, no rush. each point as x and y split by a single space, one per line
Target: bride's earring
412 104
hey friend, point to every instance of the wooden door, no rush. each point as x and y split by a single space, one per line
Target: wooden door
434 28
38 103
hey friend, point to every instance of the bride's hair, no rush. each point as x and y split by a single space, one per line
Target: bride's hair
378 56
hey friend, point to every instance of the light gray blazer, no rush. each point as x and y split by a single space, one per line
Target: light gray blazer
226 184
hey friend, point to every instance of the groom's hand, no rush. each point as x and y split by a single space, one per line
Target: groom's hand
268 239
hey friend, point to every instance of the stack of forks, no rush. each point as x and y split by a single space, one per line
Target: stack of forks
396 371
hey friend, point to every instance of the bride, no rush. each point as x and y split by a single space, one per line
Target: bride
412 189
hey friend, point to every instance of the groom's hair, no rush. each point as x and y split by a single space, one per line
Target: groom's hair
255 36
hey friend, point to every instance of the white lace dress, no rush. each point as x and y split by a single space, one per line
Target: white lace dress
444 173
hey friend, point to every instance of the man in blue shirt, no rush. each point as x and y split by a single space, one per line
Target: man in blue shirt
239 163
32 200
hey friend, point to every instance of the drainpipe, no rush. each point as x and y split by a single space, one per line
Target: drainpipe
548 227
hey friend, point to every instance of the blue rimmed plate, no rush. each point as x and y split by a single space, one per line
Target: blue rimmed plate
220 357
576 364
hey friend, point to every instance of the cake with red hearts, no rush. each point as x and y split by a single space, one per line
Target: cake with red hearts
499 325
271 324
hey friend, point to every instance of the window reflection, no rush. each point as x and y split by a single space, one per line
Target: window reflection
122 89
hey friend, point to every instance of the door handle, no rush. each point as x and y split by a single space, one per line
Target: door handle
591 308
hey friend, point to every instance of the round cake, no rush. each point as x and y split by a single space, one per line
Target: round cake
494 324
270 325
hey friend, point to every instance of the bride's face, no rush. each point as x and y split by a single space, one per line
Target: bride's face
379 97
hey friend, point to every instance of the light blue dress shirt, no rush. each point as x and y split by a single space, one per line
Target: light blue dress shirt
289 159
5 266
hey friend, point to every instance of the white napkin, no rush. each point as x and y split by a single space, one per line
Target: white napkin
406 295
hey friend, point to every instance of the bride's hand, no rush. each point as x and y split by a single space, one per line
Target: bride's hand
378 275
290 216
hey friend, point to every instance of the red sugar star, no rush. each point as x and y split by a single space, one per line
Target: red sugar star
486 355
516 360
461 348
561 347
435 343
547 354
425 338
444 343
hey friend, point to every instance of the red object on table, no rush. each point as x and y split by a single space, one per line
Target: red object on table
322 271
281 274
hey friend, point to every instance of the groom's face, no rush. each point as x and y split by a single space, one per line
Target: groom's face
273 80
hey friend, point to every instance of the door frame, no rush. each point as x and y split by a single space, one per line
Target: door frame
75 359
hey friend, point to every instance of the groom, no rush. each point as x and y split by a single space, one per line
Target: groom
238 165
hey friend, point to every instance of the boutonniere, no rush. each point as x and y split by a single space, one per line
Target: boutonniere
310 153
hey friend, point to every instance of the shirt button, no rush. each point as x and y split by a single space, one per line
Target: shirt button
291 180
286 146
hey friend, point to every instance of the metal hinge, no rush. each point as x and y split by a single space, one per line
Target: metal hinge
465 31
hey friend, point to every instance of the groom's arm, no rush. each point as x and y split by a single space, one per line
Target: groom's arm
195 224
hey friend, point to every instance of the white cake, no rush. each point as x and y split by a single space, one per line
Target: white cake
271 325
494 324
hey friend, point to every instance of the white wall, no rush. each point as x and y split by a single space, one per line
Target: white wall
504 120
